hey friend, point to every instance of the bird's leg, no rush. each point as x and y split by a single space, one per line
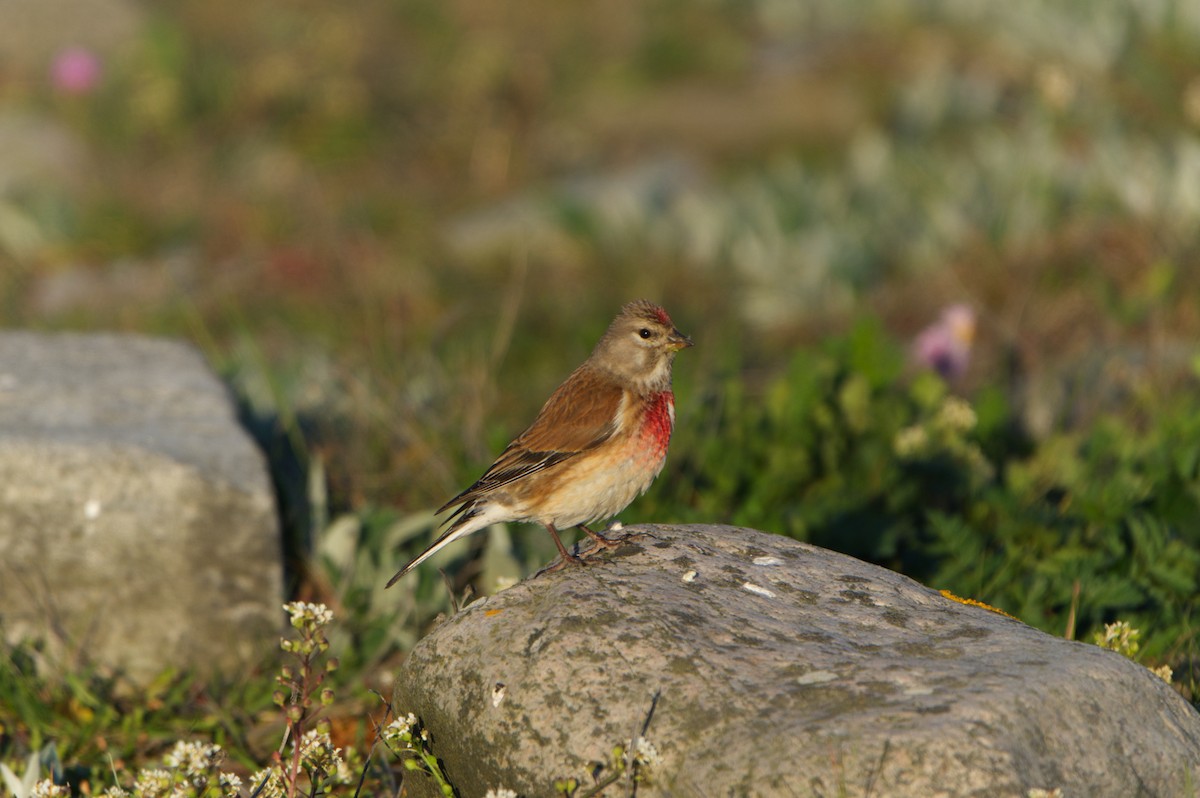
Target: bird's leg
601 541
566 555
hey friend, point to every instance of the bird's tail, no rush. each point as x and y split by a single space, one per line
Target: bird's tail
471 518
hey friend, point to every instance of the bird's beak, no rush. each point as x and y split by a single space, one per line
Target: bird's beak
677 340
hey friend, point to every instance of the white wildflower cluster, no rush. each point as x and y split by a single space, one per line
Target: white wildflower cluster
500 792
911 441
231 784
311 620
195 762
189 769
945 434
317 752
1120 637
303 612
956 415
153 783
645 754
403 730
268 783
46 788
1038 792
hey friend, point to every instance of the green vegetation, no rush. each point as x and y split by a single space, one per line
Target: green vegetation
1090 525
395 225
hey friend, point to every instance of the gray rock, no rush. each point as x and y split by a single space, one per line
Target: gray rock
782 669
137 520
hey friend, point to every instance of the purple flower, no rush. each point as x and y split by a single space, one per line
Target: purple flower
945 345
75 70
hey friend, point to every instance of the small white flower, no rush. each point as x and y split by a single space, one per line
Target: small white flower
1119 636
500 792
645 754
302 611
231 784
957 415
1164 672
46 788
400 730
343 774
910 441
271 784
153 783
318 752
194 761
690 576
1038 792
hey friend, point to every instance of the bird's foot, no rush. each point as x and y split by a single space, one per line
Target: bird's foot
564 555
605 541
601 541
562 562
609 540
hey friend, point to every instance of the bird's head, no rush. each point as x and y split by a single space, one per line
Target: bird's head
639 346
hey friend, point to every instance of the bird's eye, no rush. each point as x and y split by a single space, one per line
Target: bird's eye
644 333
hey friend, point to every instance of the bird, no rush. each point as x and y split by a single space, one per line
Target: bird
596 444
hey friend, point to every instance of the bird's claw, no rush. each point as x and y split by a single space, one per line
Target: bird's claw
603 541
608 543
562 562
619 540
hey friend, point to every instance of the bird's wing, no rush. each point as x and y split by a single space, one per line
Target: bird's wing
578 416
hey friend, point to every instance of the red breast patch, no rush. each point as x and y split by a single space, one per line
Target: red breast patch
660 419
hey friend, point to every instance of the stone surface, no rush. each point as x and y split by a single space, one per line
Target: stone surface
782 669
137 520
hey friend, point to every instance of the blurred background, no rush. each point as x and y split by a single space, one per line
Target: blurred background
939 258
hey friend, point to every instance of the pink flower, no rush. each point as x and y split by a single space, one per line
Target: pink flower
945 345
75 70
